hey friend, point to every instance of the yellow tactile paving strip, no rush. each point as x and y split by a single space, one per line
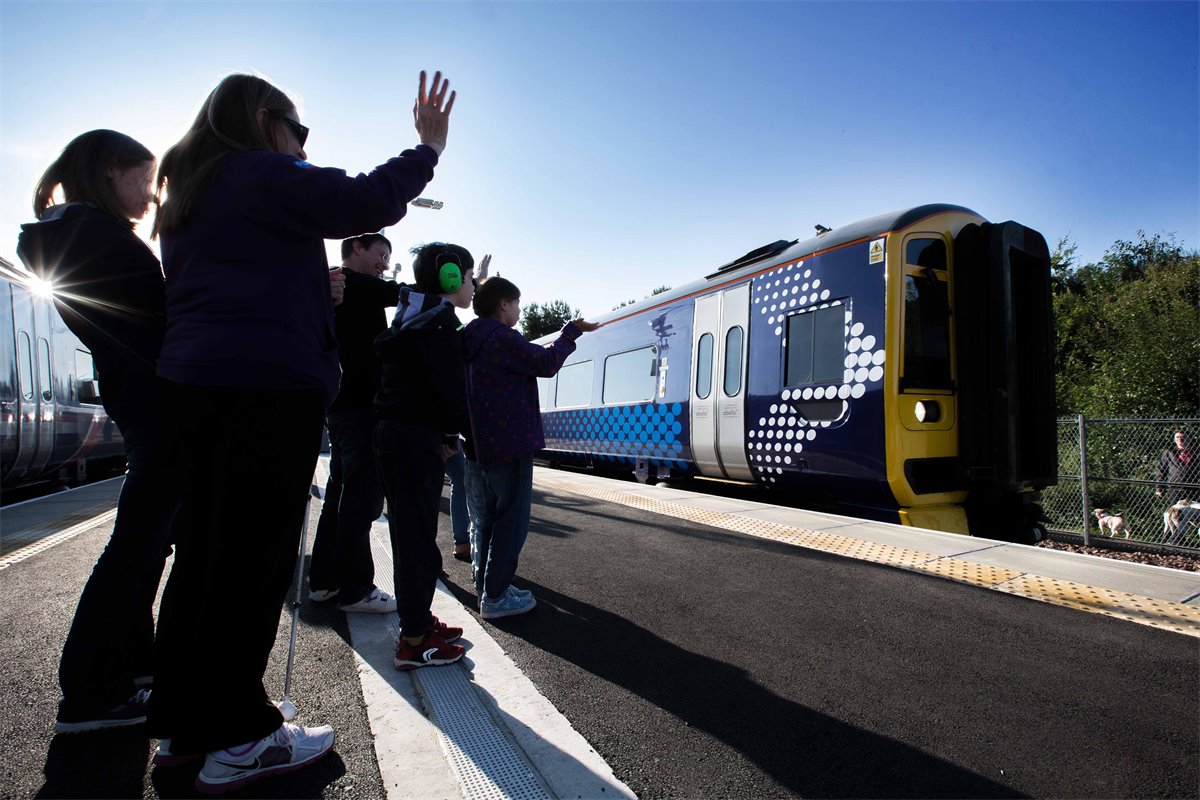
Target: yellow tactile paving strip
15 548
1164 614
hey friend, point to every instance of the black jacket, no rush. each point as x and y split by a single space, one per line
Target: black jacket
424 370
358 320
108 287
1173 470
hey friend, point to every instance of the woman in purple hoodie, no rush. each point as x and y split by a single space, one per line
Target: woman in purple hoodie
249 364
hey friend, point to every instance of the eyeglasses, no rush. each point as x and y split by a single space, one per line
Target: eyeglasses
301 131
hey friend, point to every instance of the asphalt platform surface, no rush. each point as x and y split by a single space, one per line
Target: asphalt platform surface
701 663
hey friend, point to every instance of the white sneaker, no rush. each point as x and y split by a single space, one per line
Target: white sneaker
321 595
289 747
377 602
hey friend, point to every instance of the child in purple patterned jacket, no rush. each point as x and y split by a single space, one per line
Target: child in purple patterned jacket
506 430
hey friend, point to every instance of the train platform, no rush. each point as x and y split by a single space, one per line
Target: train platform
685 644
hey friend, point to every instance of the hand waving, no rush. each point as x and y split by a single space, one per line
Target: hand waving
585 326
481 274
431 112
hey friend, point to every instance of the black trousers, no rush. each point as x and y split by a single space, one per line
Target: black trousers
412 470
341 557
247 458
112 633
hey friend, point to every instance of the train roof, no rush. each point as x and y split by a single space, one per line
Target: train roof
783 251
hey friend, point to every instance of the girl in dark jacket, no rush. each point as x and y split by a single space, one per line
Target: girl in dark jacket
108 288
250 364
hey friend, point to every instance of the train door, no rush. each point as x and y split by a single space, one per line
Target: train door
43 311
718 394
8 382
26 407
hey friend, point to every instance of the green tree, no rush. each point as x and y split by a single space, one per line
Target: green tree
1128 330
539 319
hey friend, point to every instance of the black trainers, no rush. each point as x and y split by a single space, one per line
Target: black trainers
72 719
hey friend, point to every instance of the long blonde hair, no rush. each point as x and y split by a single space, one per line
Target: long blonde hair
82 171
227 123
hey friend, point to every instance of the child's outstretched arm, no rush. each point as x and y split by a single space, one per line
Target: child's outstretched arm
525 357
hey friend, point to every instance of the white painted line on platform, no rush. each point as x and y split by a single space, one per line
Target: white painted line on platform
414 761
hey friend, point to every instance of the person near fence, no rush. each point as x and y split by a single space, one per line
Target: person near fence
1178 467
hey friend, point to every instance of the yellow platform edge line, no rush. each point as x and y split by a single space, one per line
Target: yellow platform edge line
1163 614
27 551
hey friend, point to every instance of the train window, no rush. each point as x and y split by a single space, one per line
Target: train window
574 385
630 377
816 346
733 362
84 371
544 388
927 253
25 366
816 350
704 363
44 368
926 316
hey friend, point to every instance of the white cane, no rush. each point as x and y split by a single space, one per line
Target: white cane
286 706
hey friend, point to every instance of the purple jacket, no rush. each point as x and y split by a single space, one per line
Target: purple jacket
248 300
502 373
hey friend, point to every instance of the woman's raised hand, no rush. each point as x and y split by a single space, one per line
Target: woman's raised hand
431 112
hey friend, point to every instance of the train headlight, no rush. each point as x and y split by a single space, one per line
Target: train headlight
928 411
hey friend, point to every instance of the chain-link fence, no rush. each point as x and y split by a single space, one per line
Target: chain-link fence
1125 479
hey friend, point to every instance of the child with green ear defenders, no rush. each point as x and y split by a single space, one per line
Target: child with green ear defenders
422 405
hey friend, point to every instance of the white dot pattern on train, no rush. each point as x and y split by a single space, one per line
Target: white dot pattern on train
776 441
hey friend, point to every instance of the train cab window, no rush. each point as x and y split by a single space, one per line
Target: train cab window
630 377
926 316
733 362
574 386
84 384
25 366
816 353
44 368
704 364
84 369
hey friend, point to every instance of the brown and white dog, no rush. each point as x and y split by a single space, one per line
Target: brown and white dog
1186 512
1114 523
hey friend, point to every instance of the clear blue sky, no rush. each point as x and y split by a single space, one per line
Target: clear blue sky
599 150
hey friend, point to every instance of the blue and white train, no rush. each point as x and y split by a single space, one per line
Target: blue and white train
900 367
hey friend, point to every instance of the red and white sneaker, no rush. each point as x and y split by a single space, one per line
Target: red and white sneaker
432 651
447 633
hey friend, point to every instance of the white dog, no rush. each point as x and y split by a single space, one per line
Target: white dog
1183 514
1114 523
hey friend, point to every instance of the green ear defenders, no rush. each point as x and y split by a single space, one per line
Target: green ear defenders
450 272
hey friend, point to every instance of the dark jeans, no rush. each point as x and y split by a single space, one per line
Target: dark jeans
111 640
411 466
341 556
508 492
246 457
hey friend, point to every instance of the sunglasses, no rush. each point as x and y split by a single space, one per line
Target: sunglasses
301 131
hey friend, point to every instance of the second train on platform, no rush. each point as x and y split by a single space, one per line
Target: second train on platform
900 367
